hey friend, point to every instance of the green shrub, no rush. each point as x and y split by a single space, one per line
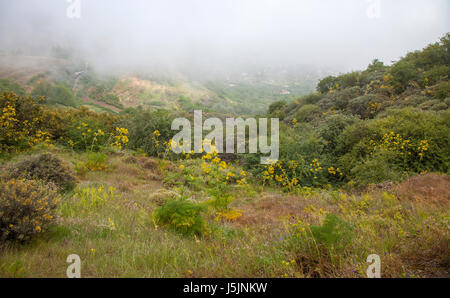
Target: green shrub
277 109
349 79
307 113
310 99
63 95
401 74
342 99
181 216
365 106
26 208
95 161
434 105
57 94
142 125
320 250
47 168
397 142
334 234
443 90
300 142
378 168
325 84
221 197
23 122
332 127
8 86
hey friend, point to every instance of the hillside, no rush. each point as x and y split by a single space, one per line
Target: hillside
363 170
244 94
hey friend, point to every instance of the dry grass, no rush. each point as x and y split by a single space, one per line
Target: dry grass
410 236
427 189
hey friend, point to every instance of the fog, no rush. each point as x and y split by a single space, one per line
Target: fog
210 36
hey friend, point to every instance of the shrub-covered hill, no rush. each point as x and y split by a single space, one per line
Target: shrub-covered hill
380 124
420 79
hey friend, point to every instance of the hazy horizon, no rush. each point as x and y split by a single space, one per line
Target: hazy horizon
214 36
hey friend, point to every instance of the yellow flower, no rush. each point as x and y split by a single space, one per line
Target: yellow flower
182 167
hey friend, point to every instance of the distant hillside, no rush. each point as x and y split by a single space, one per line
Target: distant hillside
246 94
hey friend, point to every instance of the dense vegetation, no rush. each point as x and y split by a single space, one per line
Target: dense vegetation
380 124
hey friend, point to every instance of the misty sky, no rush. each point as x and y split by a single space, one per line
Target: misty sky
226 33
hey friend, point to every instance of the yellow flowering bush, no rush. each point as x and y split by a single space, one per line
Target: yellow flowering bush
295 175
120 138
27 208
408 153
22 123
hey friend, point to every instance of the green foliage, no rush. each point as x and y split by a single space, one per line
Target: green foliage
47 168
376 66
63 95
342 81
112 100
85 130
378 168
37 77
300 142
276 107
428 67
443 90
401 74
26 209
181 216
325 84
364 106
23 122
142 125
307 113
335 234
44 89
86 200
400 141
221 197
95 161
384 123
57 94
185 103
253 98
8 86
331 128
320 249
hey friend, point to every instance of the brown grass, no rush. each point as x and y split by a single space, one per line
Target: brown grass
276 209
426 189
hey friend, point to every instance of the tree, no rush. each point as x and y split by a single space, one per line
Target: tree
325 84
